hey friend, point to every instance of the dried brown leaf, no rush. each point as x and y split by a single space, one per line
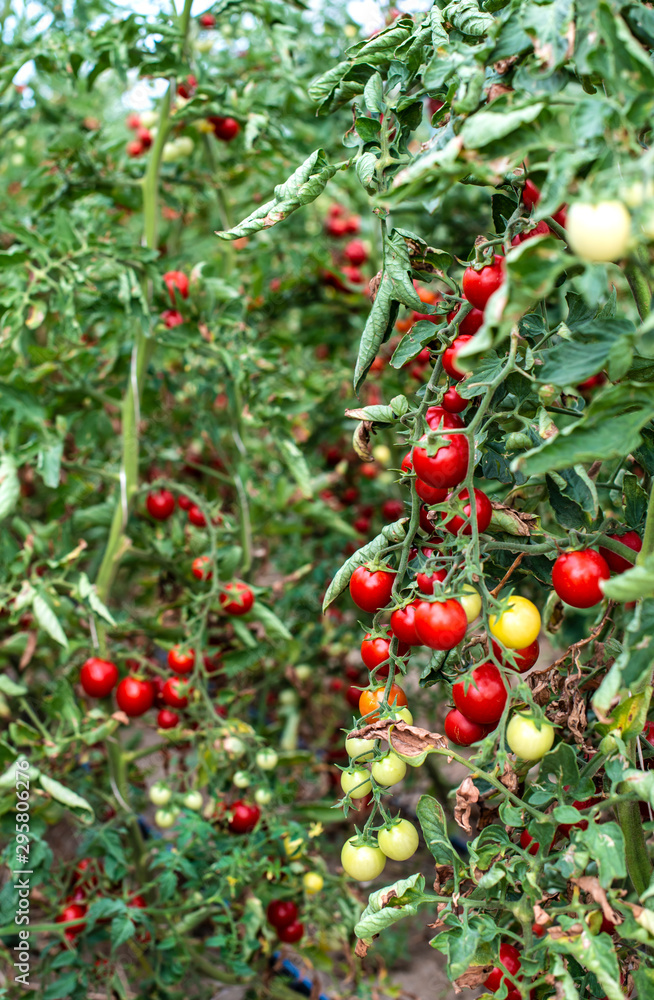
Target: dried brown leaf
589 884
558 932
467 794
410 741
497 90
520 522
361 441
509 779
361 949
444 874
475 976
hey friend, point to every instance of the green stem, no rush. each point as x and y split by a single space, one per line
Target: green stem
639 289
639 865
648 536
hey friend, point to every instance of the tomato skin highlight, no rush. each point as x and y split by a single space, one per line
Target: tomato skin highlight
449 357
200 568
181 660
403 623
484 513
243 817
72 912
174 692
98 677
371 589
478 286
134 696
485 702
167 719
369 701
463 731
576 577
616 563
236 599
441 625
160 505
448 466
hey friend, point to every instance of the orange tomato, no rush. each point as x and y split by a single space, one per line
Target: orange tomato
370 700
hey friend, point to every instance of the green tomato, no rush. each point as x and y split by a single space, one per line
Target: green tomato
312 882
388 770
288 697
262 796
241 779
303 671
233 746
400 842
362 861
526 740
165 818
193 800
267 759
399 713
360 750
356 782
160 794
598 232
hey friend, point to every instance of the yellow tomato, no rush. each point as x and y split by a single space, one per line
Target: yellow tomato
519 625
312 882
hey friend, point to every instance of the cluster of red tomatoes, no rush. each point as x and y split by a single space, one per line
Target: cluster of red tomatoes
339 224
282 914
176 283
142 136
85 887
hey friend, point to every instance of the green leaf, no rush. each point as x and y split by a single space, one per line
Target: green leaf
384 909
573 361
467 17
631 714
373 94
487 126
410 346
434 829
270 621
635 500
592 953
296 464
605 842
9 485
48 620
10 688
561 764
633 584
62 794
389 535
380 414
122 929
302 187
88 593
549 24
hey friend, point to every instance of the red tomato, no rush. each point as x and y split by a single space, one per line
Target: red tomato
176 280
618 563
291 933
183 502
361 525
207 20
369 470
440 416
426 581
375 651
470 323
392 509
530 195
336 228
484 512
484 702
564 829
225 129
426 522
441 625
538 930
430 494
350 495
355 252
561 216
236 599
510 959
243 817
576 577
370 700
478 286
453 402
403 623
175 692
462 731
160 504
134 696
172 318
542 229
449 357
525 840
200 568
588 386
648 732
196 517
448 466
524 658
181 660
371 589
98 677
353 223
167 719
281 912
134 148
72 912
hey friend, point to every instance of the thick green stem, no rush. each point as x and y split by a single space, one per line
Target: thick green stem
648 536
639 289
639 865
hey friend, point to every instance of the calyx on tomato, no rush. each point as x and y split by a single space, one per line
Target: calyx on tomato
448 463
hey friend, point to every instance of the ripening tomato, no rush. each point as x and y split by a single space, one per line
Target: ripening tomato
440 416
291 933
184 503
369 701
236 599
200 568
599 232
510 959
527 842
375 651
449 464
518 625
73 912
453 402
160 504
441 625
430 494
134 696
526 740
524 658
98 677
196 517
176 692
403 623
618 563
371 589
463 731
485 697
172 318
388 770
478 286
530 195
207 20
167 719
577 576
399 841
460 525
362 861
281 912
426 581
470 323
181 660
313 883
470 601
243 817
224 129
392 509
541 229
356 782
449 357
